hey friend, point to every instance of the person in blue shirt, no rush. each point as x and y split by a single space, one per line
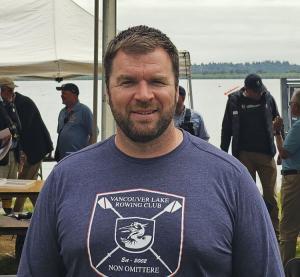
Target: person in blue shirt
151 200
289 151
75 123
188 119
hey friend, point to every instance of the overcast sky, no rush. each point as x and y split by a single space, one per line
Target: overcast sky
219 30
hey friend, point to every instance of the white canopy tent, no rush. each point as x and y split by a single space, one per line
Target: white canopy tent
54 39
46 38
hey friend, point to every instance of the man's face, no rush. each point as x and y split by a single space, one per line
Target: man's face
142 94
7 94
295 111
68 98
253 94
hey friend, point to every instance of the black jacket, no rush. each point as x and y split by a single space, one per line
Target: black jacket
231 121
9 119
35 138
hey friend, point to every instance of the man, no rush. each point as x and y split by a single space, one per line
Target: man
152 200
13 162
290 190
36 141
188 119
75 123
248 120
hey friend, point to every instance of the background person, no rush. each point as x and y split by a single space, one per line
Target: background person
248 121
152 199
13 162
75 123
36 141
188 119
289 151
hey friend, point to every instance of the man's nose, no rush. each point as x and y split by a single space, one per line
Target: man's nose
144 92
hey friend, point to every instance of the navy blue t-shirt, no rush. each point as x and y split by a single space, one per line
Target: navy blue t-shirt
193 212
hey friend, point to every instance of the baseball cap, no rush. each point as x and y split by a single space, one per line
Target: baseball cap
254 82
7 82
70 87
182 91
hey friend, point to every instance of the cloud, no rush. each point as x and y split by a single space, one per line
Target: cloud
221 30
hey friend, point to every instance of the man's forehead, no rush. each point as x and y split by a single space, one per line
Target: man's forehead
158 55
157 63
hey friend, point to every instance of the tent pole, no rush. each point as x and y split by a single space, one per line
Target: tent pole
108 32
95 83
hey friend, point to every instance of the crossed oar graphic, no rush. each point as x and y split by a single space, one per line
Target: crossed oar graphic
105 204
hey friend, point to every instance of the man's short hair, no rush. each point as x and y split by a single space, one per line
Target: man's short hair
254 82
297 97
140 40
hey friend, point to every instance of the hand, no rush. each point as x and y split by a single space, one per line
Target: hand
277 124
5 140
23 159
279 160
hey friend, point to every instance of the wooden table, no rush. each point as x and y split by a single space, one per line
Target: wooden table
32 190
12 226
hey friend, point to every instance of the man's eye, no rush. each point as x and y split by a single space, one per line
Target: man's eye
158 82
126 83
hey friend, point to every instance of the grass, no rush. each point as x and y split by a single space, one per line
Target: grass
8 263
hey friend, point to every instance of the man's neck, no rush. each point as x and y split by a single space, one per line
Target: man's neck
160 146
70 106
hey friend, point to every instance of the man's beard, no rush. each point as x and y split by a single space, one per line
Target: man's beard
143 134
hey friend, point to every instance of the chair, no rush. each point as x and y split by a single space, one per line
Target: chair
292 268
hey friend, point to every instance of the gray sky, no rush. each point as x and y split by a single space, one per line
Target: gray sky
219 30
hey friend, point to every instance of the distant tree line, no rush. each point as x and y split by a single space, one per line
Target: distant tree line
245 68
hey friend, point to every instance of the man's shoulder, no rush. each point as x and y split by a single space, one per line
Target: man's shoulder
207 152
269 96
195 114
94 152
296 126
235 97
83 107
23 99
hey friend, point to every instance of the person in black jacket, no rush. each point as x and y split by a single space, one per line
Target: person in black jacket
35 138
248 121
13 161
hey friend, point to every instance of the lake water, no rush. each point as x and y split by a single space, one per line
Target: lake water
208 95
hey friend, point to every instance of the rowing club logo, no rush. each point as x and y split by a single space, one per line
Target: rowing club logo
136 232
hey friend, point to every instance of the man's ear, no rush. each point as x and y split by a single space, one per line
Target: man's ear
177 93
298 107
107 93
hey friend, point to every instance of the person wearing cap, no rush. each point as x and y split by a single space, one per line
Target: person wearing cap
75 123
289 151
188 119
151 200
13 162
248 122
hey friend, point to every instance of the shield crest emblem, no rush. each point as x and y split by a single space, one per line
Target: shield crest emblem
134 234
136 231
